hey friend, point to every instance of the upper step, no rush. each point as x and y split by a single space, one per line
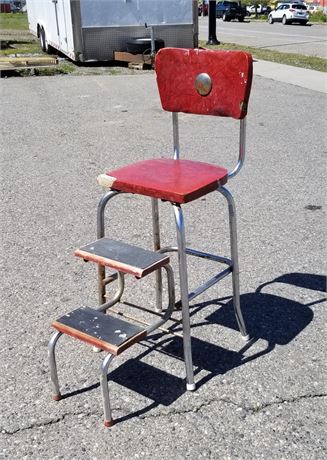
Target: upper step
122 257
101 330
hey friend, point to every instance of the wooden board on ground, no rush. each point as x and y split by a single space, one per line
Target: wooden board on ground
29 60
135 60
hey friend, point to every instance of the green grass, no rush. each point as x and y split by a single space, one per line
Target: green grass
60 69
16 21
16 47
64 68
318 16
297 60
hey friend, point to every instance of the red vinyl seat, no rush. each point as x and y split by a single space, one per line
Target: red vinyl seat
178 181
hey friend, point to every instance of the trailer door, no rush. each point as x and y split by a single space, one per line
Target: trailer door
59 6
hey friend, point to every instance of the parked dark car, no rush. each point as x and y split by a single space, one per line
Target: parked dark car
230 10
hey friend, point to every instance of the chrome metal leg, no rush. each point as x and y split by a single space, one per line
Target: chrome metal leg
234 257
100 234
108 421
190 385
156 243
53 366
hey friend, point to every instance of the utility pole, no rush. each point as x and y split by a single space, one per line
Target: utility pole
212 38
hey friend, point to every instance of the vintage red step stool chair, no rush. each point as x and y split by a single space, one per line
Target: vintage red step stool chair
202 82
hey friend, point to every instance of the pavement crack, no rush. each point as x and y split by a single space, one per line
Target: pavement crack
193 409
45 423
295 399
248 409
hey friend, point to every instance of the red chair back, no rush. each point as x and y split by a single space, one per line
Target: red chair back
204 82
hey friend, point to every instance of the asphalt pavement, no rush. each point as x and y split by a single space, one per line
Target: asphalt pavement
266 401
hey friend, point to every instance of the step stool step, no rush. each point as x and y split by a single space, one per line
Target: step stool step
122 257
101 330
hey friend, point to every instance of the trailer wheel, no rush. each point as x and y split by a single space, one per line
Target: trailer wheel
43 41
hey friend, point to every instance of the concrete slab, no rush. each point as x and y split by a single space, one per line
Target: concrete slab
306 78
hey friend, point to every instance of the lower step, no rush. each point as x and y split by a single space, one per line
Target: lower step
101 330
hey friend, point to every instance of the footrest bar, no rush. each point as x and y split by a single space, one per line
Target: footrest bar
145 323
109 279
207 255
196 253
211 282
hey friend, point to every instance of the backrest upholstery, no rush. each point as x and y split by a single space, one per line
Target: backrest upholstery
204 82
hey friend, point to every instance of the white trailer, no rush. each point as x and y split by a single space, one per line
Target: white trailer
92 30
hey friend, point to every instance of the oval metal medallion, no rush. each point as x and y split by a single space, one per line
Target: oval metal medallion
203 84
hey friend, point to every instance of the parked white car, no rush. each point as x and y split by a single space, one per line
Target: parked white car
314 8
287 13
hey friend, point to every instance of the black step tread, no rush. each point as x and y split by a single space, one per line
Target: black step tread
99 329
122 257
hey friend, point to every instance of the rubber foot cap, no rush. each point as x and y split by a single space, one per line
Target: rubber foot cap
108 423
246 337
190 386
56 397
96 350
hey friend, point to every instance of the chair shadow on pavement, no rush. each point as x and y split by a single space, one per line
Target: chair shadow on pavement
272 319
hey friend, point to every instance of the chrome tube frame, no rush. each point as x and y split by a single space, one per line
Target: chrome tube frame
180 228
208 284
156 245
234 255
241 157
117 296
153 43
108 421
171 301
53 365
100 211
176 135
109 279
102 281
197 253
204 255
